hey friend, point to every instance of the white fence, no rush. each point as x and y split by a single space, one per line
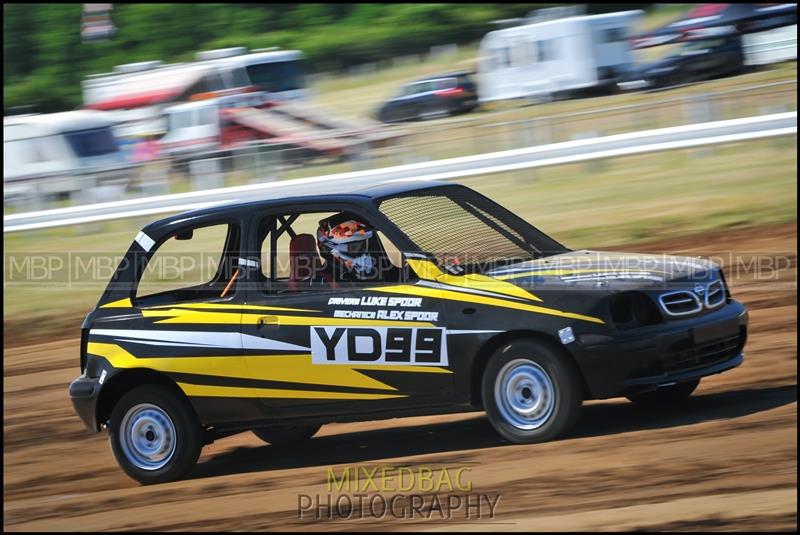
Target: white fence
424 142
450 169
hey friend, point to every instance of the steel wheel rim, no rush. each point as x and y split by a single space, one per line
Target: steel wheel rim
147 437
524 394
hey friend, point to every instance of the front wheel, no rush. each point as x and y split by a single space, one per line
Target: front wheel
154 435
531 392
667 395
286 435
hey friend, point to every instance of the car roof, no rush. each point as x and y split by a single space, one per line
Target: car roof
353 190
440 76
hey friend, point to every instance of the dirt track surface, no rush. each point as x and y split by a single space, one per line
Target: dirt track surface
725 461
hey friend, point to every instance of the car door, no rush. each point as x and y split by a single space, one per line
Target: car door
425 100
313 349
405 104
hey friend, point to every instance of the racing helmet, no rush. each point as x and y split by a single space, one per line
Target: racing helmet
344 240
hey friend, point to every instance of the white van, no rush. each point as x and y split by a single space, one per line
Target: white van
53 149
543 59
194 128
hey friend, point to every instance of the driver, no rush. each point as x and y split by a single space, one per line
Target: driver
344 245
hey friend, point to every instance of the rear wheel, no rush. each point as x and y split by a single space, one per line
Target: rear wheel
286 435
155 435
531 392
666 395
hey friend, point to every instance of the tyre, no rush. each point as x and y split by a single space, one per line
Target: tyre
155 435
286 435
531 391
666 395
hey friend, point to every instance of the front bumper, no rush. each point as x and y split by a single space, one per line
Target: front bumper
84 392
664 354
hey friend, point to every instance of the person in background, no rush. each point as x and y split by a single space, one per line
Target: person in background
147 152
147 149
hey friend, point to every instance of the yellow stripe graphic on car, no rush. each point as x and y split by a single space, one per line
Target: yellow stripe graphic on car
490 284
126 303
427 270
183 315
215 366
300 369
251 319
231 306
437 293
286 368
122 303
246 392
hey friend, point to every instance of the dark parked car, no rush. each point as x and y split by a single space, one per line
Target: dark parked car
431 97
694 61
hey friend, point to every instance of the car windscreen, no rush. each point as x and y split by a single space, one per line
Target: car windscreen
277 76
92 142
461 227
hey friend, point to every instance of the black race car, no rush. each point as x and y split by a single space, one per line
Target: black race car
400 299
436 96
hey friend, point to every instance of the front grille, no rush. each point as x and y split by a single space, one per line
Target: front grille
703 355
715 294
680 303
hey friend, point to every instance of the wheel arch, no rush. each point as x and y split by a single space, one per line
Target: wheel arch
126 380
493 344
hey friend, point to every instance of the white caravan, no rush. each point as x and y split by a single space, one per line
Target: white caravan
50 151
542 59
771 46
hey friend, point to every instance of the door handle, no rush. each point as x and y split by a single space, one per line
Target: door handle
267 323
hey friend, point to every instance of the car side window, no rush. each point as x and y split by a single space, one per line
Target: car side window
410 89
424 87
295 238
194 263
444 83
